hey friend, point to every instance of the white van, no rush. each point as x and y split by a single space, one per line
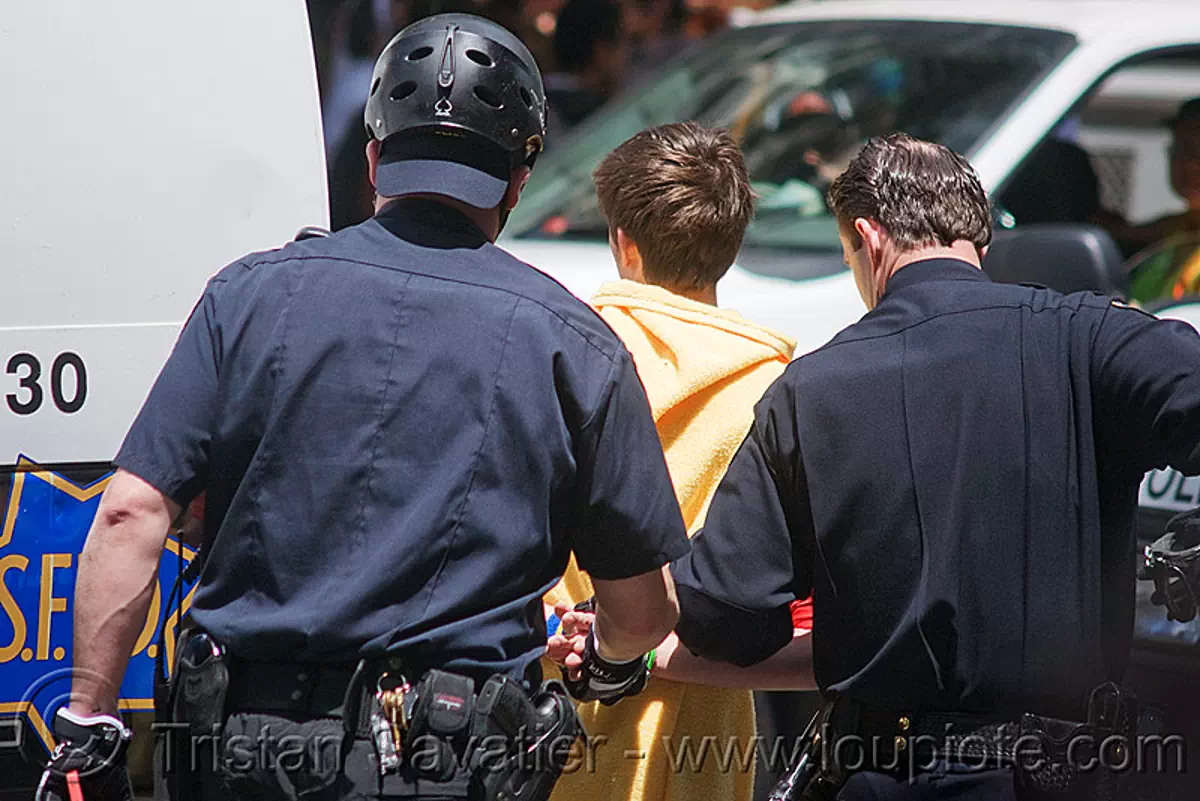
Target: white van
144 146
991 80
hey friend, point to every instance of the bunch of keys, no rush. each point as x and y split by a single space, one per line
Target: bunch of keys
396 699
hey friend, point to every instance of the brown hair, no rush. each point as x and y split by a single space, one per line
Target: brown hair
682 194
922 193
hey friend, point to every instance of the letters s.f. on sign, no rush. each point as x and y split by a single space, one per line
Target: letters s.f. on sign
45 516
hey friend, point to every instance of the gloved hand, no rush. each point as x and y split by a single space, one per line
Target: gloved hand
88 764
604 681
1173 562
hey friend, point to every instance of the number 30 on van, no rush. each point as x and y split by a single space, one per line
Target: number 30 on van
66 380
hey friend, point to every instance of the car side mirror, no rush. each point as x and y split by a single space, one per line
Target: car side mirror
1064 257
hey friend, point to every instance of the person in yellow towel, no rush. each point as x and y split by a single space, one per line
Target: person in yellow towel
678 201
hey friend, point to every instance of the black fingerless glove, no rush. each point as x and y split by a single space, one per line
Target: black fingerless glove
1173 563
90 754
604 681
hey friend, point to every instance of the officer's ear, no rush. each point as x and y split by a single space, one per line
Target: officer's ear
372 160
872 237
516 186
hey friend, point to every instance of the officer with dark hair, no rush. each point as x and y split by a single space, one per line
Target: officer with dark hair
402 433
954 480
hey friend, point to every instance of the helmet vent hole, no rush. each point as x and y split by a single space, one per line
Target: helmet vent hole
480 58
489 97
403 90
420 53
375 86
526 98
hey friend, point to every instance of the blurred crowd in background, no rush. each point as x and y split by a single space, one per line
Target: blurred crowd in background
588 51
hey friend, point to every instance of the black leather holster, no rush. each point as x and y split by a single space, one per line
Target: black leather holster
190 712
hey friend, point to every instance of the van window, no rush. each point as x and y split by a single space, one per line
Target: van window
801 98
1110 164
1124 127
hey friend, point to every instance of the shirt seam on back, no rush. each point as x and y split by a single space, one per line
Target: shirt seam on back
1028 510
277 363
361 517
1096 337
922 587
585 336
487 426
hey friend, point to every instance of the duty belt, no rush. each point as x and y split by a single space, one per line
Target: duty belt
504 738
846 737
349 692
898 739
303 689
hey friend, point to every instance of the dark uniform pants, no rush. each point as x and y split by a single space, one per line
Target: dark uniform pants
946 781
268 757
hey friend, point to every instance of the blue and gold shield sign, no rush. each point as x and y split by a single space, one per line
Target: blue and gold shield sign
45 516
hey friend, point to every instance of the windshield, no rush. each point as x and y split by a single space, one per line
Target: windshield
800 98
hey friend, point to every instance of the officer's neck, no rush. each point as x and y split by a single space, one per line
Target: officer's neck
486 220
962 250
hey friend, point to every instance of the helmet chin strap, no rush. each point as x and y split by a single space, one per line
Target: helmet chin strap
504 212
528 161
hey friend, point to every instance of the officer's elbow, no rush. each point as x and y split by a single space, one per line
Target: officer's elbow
670 608
636 614
667 624
633 635
654 624
132 514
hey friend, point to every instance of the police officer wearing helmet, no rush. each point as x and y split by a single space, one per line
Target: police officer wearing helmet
402 433
954 480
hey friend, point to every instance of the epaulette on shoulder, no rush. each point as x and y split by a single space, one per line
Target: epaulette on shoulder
1120 303
310 232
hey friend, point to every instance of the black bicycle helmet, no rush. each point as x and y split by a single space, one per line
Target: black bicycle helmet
446 90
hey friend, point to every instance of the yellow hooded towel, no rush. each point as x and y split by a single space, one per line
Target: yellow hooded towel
704 368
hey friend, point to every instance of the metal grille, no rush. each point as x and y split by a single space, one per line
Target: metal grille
1114 169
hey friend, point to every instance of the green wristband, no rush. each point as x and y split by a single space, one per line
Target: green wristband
650 659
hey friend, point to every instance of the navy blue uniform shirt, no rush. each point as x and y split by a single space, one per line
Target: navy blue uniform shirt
402 431
954 479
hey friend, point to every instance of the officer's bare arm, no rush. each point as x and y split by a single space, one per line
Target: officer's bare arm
118 570
633 615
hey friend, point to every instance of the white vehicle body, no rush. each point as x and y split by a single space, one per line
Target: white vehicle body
145 145
812 311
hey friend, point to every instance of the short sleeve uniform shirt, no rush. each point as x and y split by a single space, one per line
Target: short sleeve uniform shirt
402 432
954 480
